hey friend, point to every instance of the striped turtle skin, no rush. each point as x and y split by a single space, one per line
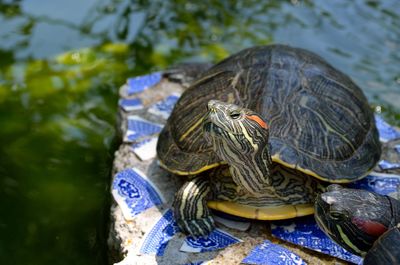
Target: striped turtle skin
250 185
275 107
365 223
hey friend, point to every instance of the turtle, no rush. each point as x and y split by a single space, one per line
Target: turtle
258 135
365 223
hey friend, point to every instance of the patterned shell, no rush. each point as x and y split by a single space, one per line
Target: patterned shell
320 121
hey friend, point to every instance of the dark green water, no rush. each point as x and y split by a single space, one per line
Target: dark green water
61 63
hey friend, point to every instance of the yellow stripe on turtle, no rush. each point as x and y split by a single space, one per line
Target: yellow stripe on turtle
262 213
276 158
185 173
194 126
348 241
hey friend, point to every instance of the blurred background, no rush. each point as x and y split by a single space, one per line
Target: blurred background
62 62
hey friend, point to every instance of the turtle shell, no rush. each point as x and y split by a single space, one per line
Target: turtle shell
319 119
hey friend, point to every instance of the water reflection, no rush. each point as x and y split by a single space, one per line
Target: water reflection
57 112
57 126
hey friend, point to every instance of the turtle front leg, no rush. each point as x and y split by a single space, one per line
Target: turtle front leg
190 207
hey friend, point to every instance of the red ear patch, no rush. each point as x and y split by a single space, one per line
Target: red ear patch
370 227
258 120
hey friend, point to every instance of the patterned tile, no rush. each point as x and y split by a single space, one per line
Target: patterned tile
141 83
134 193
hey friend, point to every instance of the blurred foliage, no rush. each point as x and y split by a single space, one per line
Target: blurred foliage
58 98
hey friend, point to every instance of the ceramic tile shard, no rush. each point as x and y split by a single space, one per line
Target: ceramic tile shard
165 106
384 184
129 104
385 165
268 253
141 83
397 148
386 131
134 193
217 239
146 149
157 238
139 127
305 232
199 263
241 226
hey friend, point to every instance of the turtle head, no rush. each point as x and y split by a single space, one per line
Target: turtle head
236 126
352 218
240 137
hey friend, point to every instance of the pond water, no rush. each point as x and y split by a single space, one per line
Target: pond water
61 63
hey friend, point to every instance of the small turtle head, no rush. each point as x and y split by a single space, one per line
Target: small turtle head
239 136
234 130
352 218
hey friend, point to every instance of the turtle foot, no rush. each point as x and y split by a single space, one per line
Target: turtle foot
197 227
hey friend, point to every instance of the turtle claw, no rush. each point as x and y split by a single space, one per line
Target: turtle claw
197 227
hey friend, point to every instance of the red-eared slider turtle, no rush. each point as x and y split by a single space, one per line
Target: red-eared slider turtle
365 223
278 118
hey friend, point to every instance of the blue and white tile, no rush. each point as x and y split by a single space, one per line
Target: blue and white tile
156 240
146 149
305 232
269 253
164 107
233 224
139 127
386 131
384 184
130 104
386 165
397 148
141 83
199 263
217 239
135 193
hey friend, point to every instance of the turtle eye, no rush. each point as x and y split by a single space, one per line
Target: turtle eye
336 215
234 114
